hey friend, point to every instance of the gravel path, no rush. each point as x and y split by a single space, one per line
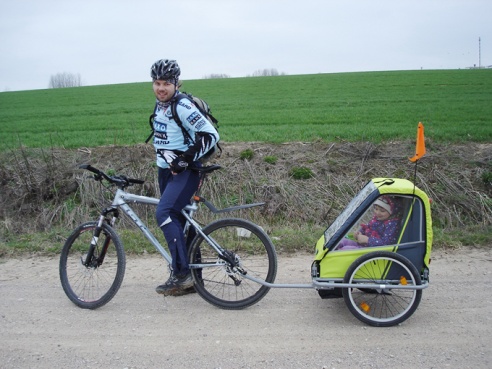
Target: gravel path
289 328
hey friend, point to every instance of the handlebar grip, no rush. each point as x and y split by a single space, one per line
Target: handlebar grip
99 175
136 181
90 168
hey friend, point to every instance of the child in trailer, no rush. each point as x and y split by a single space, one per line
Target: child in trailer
382 229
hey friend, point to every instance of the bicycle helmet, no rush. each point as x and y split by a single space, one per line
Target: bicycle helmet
166 70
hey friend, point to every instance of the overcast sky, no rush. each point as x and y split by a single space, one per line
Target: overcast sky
116 41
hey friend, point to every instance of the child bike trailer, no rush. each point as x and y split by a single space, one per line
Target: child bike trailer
381 274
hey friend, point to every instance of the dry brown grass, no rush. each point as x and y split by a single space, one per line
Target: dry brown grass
44 189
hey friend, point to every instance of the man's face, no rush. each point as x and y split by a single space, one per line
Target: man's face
163 90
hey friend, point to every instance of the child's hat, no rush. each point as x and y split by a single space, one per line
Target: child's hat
386 203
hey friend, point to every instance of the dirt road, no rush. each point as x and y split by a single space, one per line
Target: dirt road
289 328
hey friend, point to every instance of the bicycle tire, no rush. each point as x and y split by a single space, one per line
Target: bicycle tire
382 307
225 286
93 286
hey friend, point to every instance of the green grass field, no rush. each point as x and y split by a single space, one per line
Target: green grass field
454 105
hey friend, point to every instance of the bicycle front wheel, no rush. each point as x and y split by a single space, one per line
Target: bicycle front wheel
249 252
91 279
382 306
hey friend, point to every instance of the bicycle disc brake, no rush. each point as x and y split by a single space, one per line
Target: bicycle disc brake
233 266
92 263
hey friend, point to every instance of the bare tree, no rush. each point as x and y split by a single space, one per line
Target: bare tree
267 72
65 79
215 76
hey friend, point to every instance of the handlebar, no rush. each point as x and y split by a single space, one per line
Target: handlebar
123 181
120 181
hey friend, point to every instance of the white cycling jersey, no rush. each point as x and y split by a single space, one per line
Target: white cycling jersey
169 140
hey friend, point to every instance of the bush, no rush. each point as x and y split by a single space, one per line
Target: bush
301 173
487 178
247 154
271 160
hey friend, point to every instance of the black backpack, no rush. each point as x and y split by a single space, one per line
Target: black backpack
204 109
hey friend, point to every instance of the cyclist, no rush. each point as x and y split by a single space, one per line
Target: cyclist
175 154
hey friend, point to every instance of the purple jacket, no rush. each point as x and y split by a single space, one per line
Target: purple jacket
381 232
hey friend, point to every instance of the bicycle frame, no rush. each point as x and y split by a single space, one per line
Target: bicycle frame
122 199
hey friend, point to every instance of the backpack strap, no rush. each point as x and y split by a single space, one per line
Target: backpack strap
174 103
151 124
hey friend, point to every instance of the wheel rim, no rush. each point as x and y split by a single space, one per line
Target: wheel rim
382 305
223 284
90 283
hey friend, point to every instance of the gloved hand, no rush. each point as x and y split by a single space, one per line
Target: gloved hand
179 164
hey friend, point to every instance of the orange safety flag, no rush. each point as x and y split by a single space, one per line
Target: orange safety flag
420 146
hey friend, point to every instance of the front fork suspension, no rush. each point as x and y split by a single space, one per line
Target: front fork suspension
92 259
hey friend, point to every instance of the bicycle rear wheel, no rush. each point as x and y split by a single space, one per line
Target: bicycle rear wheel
249 252
91 282
378 306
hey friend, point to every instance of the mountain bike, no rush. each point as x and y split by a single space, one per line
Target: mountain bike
229 258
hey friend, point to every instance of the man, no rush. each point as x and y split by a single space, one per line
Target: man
177 152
